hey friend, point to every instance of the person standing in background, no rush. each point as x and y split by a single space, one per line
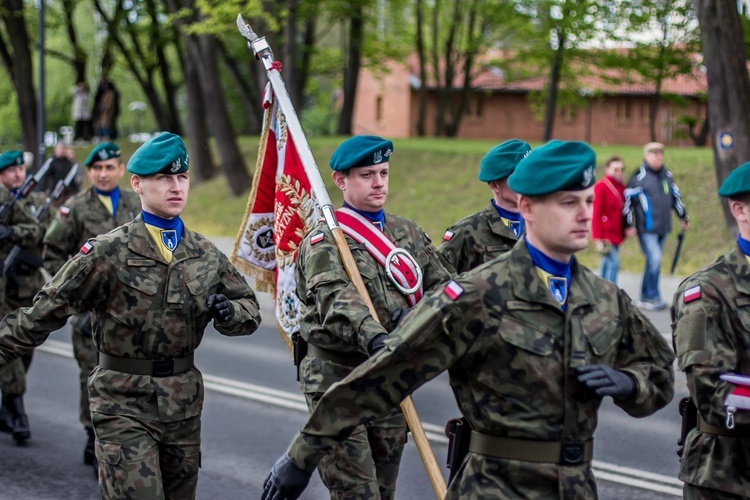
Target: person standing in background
81 112
650 198
607 227
106 110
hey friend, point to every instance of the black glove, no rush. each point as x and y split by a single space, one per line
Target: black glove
607 381
377 343
5 232
285 481
397 316
221 308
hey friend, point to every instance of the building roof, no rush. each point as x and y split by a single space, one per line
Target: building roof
609 81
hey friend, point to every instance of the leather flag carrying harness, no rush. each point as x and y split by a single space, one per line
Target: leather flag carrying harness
402 269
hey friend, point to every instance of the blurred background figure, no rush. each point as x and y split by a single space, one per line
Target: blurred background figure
607 226
106 110
81 112
61 164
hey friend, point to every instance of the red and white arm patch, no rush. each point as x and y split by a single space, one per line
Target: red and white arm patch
64 211
317 238
691 294
448 235
86 248
453 290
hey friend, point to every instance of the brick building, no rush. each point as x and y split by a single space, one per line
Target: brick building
609 113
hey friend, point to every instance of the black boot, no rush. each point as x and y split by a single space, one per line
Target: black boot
6 419
21 431
89 455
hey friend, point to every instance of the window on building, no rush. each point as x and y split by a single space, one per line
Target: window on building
645 111
624 111
568 113
475 106
379 108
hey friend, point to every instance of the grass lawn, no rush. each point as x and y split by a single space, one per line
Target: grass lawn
434 181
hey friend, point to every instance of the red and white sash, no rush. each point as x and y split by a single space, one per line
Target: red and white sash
404 272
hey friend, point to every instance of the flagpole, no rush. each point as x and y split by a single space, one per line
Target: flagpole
263 52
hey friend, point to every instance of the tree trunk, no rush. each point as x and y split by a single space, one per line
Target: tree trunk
160 38
246 89
554 80
728 87
198 132
80 58
351 73
12 14
289 54
421 56
653 113
200 150
232 161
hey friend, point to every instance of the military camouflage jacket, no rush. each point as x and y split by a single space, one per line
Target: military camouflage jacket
711 337
476 239
26 230
336 318
28 279
511 353
143 308
84 217
27 233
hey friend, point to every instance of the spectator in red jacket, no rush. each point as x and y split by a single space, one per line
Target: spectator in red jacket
607 227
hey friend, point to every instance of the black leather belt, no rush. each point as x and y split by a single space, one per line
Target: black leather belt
152 367
347 359
566 453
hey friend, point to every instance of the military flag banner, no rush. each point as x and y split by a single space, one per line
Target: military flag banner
280 209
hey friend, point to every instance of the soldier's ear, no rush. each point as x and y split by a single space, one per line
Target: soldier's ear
135 183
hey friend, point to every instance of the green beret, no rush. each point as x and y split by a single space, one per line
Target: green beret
10 159
501 160
361 151
103 152
736 183
164 153
556 166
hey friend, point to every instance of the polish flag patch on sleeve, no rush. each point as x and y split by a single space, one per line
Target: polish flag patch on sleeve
64 211
448 235
317 238
453 290
691 294
86 248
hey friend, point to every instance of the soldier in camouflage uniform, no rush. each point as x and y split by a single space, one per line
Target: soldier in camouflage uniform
97 210
482 236
153 287
337 325
532 341
711 326
23 281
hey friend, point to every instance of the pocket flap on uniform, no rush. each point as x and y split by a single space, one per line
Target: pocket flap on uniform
526 336
604 338
137 281
202 284
109 453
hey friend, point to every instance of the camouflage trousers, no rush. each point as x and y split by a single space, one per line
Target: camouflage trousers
13 376
13 379
146 459
84 351
692 492
365 466
481 477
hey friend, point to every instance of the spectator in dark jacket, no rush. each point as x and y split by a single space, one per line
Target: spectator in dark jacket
607 228
650 198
